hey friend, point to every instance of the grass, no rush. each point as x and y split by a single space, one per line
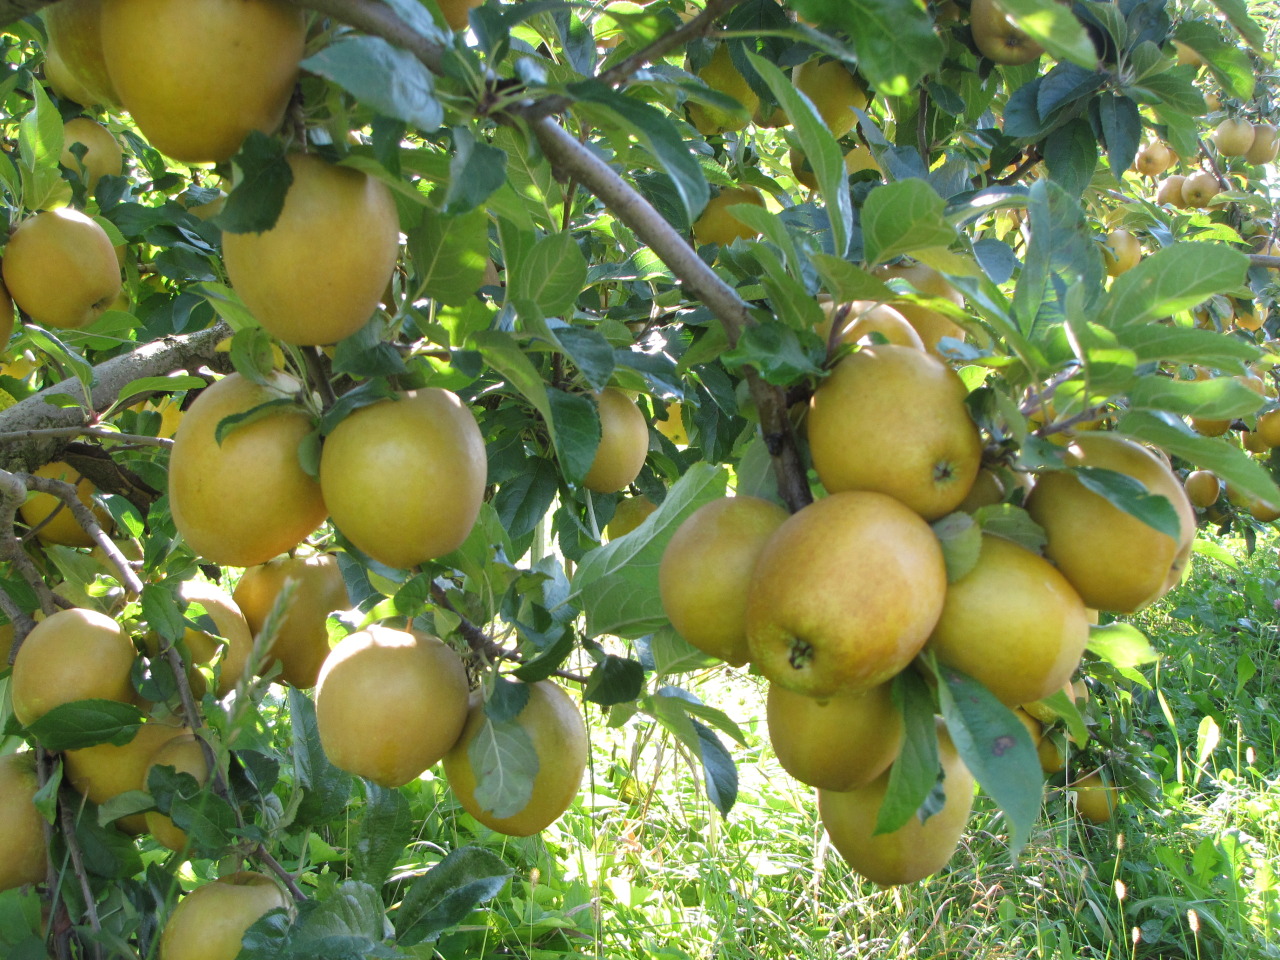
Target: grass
643 867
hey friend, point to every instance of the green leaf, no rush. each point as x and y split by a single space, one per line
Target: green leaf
254 204
525 499
501 352
1121 644
672 707
1053 26
159 385
846 282
1221 398
1237 13
1229 462
894 39
205 817
86 723
326 788
961 540
551 276
590 352
617 584
996 748
577 432
40 137
1125 493
476 170
915 771
450 254
1171 280
390 79
819 147
614 680
775 351
1155 342
1071 155
1229 64
386 827
1121 131
904 216
672 653
443 896
505 765
660 137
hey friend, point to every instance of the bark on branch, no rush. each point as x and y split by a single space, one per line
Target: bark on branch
34 418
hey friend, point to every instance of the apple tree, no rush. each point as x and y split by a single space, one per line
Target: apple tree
376 363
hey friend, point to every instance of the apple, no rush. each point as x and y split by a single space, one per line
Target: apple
996 37
1199 188
61 268
1233 137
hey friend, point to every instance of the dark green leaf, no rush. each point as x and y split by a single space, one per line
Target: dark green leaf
476 170
160 611
525 499
1121 131
894 39
614 680
659 135
507 700
1071 156
915 771
1012 523
443 896
720 776
551 276
86 723
326 787
590 352
996 748
254 205
390 79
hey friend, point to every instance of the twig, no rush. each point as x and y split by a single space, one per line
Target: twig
381 20
263 856
1030 160
12 492
476 638
1213 165
66 817
66 492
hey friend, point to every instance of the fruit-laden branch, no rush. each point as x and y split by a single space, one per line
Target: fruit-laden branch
570 159
34 419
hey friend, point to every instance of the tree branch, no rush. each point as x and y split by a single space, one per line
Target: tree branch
67 820
263 856
151 360
12 492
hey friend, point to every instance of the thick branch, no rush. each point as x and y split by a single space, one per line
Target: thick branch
377 18
151 360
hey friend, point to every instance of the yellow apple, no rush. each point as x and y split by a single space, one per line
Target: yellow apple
1121 252
722 76
210 922
23 851
103 156
70 655
1199 188
1233 137
624 443
717 225
997 38
60 267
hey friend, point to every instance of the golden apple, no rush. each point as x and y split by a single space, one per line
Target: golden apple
844 595
1199 188
23 851
1203 488
915 850
722 76
235 645
1265 145
247 499
893 419
1114 560
200 75
104 772
74 60
932 325
210 922
863 318
673 427
834 90
627 515
60 267
390 703
704 578
1170 191
555 727
1013 623
624 443
71 655
997 38
103 156
1095 800
317 275
1233 137
404 479
717 225
841 743
1154 159
302 641
457 13
1121 252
